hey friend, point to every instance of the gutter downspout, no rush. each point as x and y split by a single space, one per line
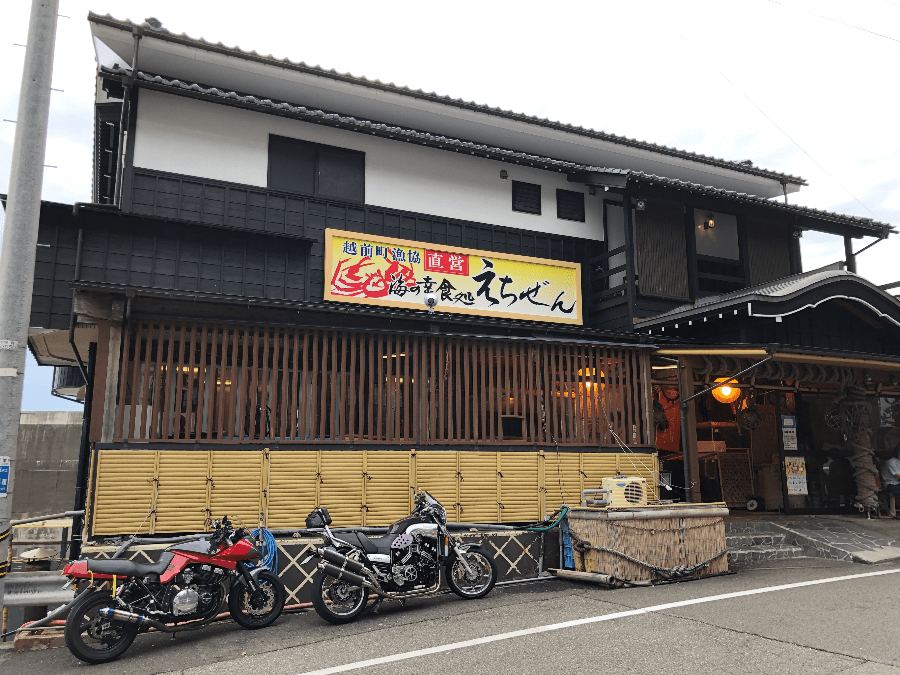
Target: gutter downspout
72 316
683 404
137 31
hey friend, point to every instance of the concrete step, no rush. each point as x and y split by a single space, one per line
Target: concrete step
751 554
761 539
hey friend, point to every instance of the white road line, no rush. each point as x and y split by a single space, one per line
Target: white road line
581 622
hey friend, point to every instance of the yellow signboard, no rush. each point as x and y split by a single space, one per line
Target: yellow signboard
373 270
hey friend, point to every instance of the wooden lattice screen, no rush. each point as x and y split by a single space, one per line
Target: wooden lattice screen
231 384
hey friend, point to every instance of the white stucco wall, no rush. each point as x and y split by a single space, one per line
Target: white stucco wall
196 138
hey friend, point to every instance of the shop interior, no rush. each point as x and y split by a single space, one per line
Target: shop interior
806 435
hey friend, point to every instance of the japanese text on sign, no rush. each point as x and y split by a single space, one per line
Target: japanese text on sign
380 271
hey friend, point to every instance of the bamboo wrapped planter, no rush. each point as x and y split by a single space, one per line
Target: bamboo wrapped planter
662 536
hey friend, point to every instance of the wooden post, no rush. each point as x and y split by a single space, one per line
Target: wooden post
689 430
111 385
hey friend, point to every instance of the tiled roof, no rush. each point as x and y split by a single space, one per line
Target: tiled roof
165 34
878 228
492 152
401 133
774 291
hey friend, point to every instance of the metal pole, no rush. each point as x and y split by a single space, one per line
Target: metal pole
23 210
849 255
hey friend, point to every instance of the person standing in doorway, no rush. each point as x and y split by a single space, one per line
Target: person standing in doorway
890 479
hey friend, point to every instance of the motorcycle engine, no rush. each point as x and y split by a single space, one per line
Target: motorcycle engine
414 566
200 590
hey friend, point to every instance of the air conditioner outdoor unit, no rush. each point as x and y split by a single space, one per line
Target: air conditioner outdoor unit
625 491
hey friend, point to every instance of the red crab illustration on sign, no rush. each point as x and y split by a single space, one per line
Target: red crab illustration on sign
357 281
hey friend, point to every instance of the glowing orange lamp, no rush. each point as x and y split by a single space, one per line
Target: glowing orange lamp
726 393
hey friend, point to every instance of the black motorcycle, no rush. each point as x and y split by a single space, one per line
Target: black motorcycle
406 562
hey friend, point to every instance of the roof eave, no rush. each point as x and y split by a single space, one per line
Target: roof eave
270 60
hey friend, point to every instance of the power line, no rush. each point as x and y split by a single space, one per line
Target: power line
789 137
849 25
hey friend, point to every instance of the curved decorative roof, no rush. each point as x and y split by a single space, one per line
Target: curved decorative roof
783 297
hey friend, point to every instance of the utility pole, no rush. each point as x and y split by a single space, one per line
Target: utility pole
23 208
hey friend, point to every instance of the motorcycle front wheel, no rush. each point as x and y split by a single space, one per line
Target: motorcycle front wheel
479 581
257 609
92 638
337 601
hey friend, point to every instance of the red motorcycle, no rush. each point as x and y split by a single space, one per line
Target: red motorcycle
185 590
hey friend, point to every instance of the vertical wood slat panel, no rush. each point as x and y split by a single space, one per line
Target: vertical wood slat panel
293 384
202 379
214 380
283 405
222 386
135 374
302 429
189 378
237 341
158 376
370 388
314 388
145 381
333 408
463 388
123 378
169 396
243 393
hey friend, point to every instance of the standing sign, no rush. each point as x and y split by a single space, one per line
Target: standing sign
789 432
4 476
373 270
795 471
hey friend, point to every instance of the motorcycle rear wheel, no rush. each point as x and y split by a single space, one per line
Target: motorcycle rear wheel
485 574
92 638
254 612
337 601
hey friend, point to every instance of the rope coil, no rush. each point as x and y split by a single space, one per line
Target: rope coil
666 573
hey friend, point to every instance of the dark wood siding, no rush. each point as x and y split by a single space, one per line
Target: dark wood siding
769 245
661 250
242 242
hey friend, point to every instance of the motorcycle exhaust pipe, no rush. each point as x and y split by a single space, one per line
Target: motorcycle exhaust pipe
343 561
344 575
131 617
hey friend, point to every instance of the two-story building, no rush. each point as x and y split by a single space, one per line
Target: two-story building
294 287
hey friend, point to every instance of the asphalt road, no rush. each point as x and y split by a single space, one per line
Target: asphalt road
847 626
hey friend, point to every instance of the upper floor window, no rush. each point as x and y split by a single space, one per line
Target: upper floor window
720 268
314 169
526 197
570 205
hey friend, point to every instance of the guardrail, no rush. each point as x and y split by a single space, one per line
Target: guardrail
35 589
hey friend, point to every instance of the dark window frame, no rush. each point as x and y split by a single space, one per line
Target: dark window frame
521 198
569 194
706 282
317 149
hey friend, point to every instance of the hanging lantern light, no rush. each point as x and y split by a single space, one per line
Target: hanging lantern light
726 393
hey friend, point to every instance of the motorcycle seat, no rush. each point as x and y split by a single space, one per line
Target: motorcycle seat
129 568
376 545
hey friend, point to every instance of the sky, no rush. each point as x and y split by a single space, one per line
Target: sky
806 87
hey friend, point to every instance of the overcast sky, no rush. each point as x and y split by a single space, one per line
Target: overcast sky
808 87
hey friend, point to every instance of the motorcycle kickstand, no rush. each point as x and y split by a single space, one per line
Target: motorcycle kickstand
377 605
